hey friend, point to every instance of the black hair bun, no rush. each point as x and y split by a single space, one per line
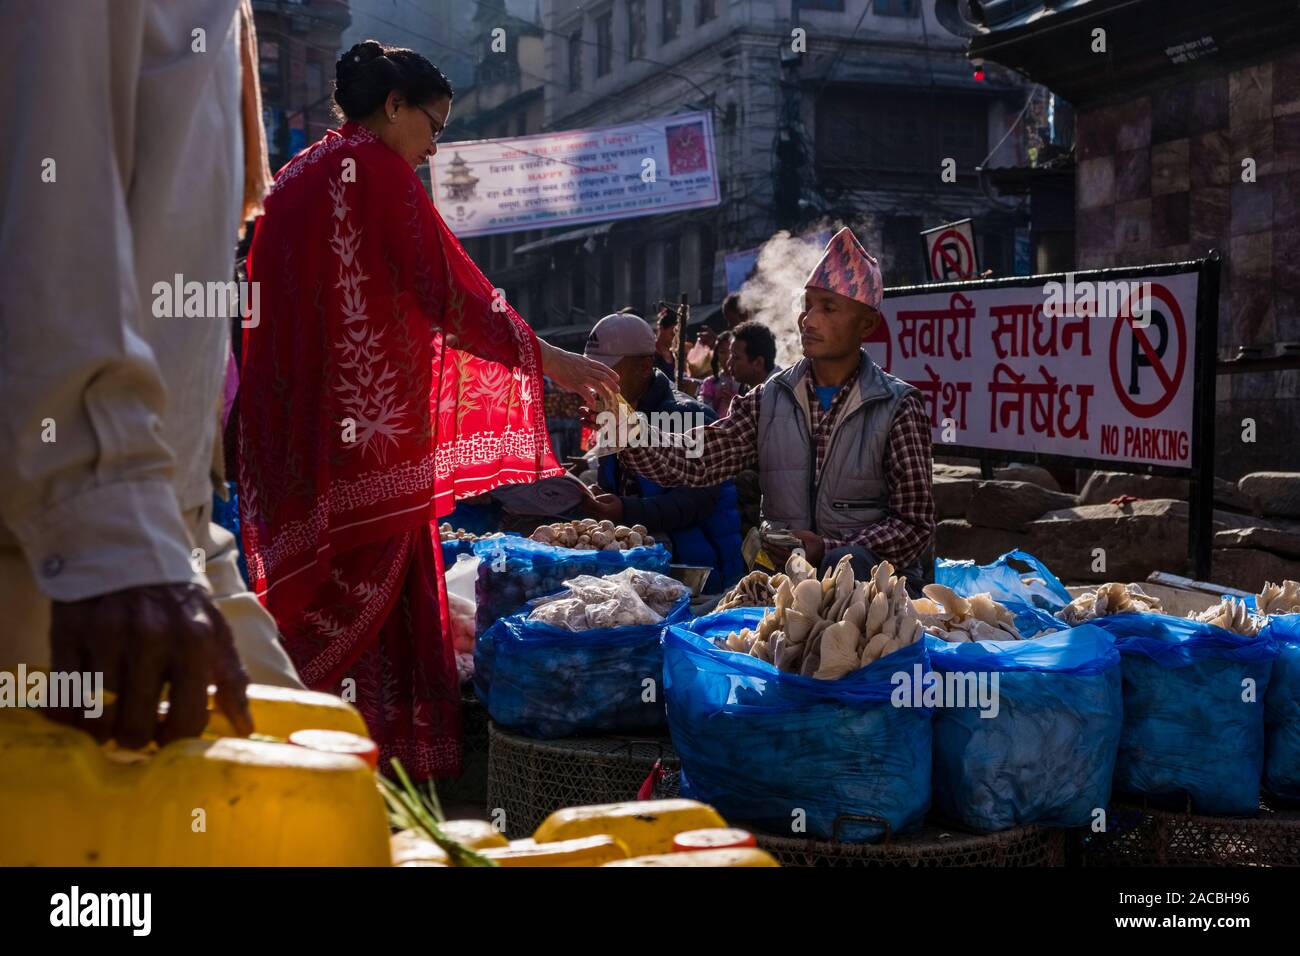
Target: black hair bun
366 74
357 57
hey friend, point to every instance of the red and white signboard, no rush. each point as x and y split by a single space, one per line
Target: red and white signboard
1091 367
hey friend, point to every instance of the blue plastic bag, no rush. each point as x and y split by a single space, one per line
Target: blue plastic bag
1282 710
226 513
790 754
453 549
1037 587
545 681
515 570
1033 620
1188 732
1046 753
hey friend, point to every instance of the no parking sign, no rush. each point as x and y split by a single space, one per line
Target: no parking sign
1112 368
950 251
1091 366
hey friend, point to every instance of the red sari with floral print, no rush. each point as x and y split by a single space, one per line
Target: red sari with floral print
382 382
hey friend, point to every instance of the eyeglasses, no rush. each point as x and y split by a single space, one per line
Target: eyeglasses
437 128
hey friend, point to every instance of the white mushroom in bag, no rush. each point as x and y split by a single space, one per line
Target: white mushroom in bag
1231 615
947 615
825 628
839 651
808 597
1110 598
1281 598
753 590
798 569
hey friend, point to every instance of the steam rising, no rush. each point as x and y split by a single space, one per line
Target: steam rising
774 293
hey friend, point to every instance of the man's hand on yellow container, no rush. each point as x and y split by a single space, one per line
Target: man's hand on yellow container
141 639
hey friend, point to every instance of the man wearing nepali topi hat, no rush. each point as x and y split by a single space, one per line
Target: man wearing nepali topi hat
842 447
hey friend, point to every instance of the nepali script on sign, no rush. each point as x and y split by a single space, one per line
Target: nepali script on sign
489 186
1078 366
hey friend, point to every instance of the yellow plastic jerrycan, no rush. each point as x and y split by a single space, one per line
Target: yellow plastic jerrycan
210 801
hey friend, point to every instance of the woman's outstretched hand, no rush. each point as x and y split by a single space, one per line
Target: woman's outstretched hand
594 383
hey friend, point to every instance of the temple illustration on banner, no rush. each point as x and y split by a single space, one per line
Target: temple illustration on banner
459 184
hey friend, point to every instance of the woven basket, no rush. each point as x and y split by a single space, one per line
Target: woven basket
932 846
1144 836
531 779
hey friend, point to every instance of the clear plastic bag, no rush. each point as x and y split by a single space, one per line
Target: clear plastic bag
515 570
596 603
461 613
659 591
566 612
624 609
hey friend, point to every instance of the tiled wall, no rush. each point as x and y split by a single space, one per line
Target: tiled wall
1160 179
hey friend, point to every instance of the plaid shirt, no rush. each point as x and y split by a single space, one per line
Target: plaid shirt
823 422
730 446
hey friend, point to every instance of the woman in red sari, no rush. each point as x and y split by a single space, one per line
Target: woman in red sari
383 381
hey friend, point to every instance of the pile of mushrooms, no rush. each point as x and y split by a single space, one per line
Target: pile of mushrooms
755 589
1112 598
948 615
1231 615
1281 598
828 628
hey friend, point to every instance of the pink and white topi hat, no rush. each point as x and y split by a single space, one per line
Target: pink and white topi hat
847 268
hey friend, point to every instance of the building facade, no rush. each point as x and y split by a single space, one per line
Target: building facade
1188 141
505 98
824 112
299 41
437 29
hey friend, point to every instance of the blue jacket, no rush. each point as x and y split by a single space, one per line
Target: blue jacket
703 523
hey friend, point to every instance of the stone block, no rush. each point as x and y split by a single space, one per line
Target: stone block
1012 505
1278 492
1171 167
1132 175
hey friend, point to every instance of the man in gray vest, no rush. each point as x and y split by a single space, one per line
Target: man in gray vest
842 448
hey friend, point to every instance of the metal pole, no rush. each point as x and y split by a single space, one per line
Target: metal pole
683 316
1200 524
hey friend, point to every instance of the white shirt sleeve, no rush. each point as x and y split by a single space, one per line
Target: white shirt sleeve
86 476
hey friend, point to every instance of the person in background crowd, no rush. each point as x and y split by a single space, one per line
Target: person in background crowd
702 521
109 562
383 384
665 354
732 312
750 361
842 448
719 388
753 354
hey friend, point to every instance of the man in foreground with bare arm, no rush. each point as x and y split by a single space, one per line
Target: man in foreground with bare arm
125 167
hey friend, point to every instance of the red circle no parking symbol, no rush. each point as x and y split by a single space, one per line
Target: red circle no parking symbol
951 256
1167 372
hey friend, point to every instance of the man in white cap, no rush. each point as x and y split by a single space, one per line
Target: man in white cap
702 521
842 448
